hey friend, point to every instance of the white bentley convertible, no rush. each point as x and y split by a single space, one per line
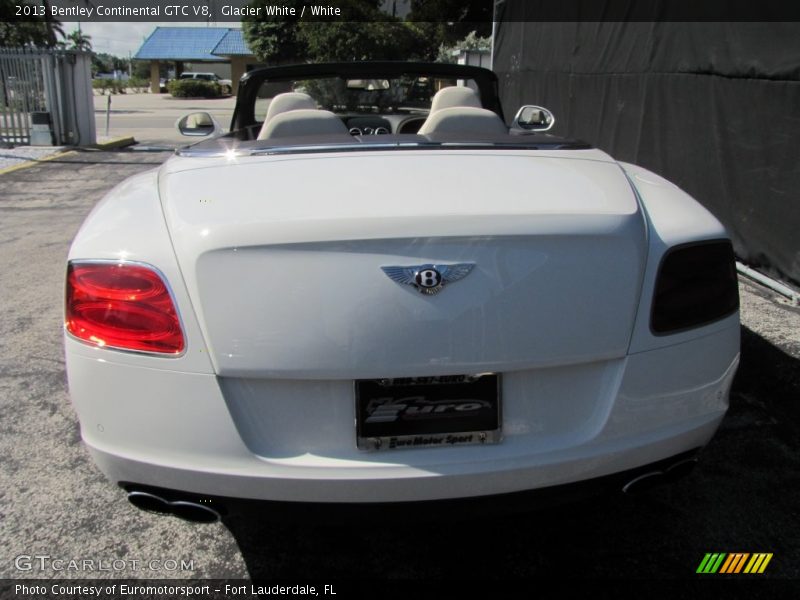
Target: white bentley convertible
373 290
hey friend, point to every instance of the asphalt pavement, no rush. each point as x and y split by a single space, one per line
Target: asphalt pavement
151 118
743 497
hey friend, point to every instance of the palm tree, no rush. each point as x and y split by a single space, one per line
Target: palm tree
52 27
79 40
38 32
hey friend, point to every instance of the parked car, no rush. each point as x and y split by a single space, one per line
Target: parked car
225 84
369 293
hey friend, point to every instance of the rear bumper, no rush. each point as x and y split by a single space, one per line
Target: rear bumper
294 441
292 486
658 473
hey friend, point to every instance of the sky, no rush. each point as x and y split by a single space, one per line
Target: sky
120 38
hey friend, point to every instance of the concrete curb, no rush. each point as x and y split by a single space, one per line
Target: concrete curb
223 97
114 143
30 162
120 142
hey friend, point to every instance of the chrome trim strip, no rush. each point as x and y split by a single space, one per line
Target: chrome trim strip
192 152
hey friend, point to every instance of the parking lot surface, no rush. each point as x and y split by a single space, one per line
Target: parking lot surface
743 497
150 118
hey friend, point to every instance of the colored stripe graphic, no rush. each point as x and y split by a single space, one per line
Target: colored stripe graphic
711 562
758 563
733 563
741 562
703 563
727 564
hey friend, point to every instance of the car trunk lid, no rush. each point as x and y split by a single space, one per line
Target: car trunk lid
283 258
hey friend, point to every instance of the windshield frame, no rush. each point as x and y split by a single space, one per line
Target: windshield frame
244 113
230 148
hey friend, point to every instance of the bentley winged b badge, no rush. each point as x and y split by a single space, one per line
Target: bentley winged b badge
428 279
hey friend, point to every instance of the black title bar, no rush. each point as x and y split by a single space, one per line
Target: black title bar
222 11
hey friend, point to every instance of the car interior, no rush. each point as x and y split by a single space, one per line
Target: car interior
453 110
311 108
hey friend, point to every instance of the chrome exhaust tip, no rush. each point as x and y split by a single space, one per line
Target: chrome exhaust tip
675 471
194 512
183 509
681 468
643 482
149 502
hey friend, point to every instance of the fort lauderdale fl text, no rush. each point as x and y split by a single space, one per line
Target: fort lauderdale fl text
178 10
172 590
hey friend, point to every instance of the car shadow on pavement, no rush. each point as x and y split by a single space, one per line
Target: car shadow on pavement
768 378
742 497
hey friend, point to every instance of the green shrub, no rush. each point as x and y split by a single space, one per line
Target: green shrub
138 84
109 86
194 88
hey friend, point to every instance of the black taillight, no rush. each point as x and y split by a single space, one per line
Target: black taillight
696 285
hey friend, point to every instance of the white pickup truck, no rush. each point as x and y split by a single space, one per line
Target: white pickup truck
225 84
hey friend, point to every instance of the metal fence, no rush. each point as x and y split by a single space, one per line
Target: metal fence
57 82
22 76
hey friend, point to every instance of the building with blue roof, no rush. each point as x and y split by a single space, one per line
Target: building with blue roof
179 45
232 44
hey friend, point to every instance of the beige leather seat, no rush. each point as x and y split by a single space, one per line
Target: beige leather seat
463 119
451 97
302 123
284 103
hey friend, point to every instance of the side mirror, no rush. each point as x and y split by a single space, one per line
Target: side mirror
198 124
533 118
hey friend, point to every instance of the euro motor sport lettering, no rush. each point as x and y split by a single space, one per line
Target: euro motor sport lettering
449 439
427 411
389 410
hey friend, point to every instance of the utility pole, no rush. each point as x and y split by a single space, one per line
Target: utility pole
211 21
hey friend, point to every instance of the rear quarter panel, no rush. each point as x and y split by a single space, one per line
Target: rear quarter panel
673 218
128 225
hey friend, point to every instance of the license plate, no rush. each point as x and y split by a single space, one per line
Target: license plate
415 412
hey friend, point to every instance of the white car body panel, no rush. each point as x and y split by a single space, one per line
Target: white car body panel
276 275
674 218
128 225
619 414
552 244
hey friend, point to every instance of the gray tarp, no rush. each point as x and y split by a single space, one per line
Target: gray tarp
713 107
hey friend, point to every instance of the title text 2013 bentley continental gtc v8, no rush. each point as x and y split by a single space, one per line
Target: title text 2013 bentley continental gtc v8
373 290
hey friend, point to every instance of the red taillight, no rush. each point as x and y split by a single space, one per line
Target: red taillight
120 305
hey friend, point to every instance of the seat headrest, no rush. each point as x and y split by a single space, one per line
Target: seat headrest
302 122
289 101
463 119
450 97
285 102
